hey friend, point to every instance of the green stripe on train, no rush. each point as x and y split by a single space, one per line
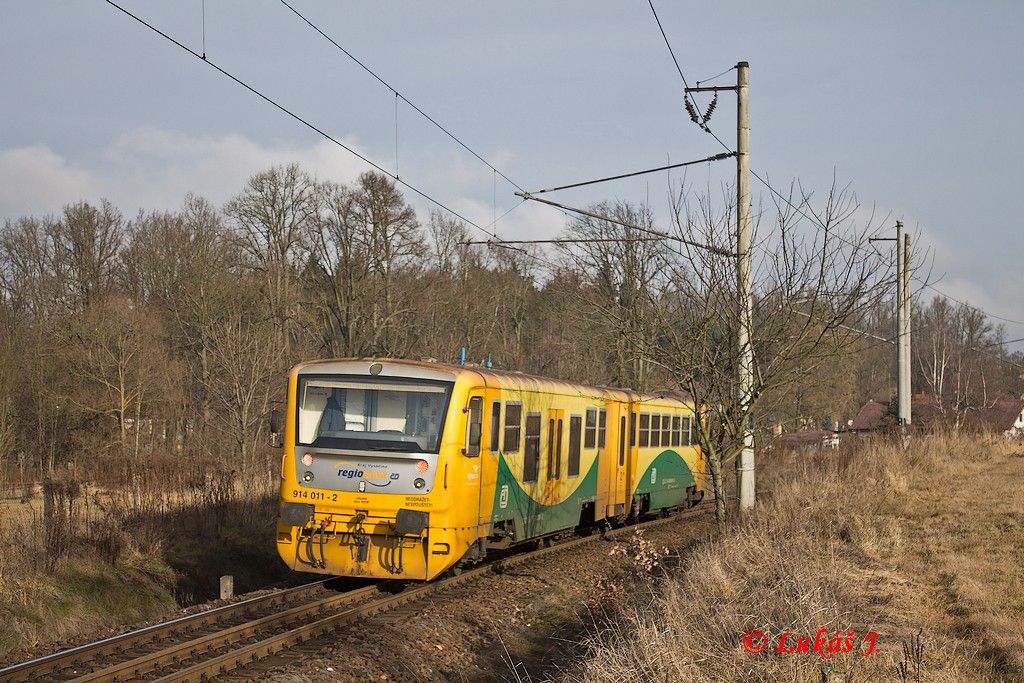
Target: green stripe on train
666 480
512 502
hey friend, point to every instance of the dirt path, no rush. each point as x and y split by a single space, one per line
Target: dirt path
967 522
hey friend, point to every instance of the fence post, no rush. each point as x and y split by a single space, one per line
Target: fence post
227 587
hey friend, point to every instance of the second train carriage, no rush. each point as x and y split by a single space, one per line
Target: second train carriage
404 469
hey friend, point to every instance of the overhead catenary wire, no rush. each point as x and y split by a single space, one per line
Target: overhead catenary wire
497 241
313 127
1003 343
714 78
668 44
611 219
813 219
308 124
393 89
984 350
964 303
716 157
589 240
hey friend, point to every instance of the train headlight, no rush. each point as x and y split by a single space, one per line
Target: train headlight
419 483
307 476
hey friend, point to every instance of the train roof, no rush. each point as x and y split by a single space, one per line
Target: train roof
521 380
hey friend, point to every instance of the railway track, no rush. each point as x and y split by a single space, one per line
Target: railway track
201 646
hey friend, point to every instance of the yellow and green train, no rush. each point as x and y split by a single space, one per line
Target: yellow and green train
405 469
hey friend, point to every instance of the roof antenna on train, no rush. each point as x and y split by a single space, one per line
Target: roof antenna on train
490 362
462 355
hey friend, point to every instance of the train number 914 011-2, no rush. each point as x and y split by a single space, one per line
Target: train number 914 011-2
314 495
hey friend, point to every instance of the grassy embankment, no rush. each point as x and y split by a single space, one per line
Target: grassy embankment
874 539
130 549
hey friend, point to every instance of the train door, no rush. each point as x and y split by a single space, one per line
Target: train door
632 452
555 448
470 465
618 459
490 454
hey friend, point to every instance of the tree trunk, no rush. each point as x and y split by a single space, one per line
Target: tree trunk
717 484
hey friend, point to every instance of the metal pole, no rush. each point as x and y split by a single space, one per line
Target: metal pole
903 324
745 464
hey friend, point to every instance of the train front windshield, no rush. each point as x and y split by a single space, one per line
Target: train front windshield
404 415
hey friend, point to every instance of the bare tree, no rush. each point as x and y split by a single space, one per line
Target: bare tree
245 358
623 267
394 247
814 279
88 240
184 266
338 272
270 217
121 367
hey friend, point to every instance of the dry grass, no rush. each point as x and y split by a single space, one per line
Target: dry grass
138 544
875 539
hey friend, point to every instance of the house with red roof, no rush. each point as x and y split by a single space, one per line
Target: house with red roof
1003 416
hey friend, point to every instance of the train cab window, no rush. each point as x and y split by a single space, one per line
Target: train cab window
575 427
513 426
590 433
401 415
688 435
645 429
655 430
632 428
602 427
676 436
666 431
531 447
495 425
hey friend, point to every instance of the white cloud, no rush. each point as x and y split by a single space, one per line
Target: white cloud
36 180
150 168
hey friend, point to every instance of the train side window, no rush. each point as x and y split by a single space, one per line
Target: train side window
575 423
666 429
632 428
495 426
602 427
645 429
675 430
513 426
590 434
474 425
688 439
655 430
531 447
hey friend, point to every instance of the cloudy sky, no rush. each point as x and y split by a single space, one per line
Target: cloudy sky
914 104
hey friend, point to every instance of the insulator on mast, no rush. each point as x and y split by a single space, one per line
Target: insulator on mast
691 110
711 108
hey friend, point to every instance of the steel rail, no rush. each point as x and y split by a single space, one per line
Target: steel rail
320 616
179 652
33 669
229 661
